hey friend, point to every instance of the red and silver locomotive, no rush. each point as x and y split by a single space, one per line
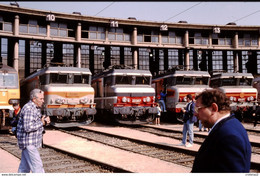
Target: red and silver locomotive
125 95
239 88
178 83
68 95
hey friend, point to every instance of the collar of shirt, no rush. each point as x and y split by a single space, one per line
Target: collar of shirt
225 116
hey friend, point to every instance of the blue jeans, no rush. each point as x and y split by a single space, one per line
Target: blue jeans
200 126
31 161
187 127
163 104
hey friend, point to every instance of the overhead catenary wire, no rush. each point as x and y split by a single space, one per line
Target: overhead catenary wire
104 8
183 11
247 15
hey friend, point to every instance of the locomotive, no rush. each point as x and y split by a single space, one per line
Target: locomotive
238 87
9 94
124 95
68 95
179 82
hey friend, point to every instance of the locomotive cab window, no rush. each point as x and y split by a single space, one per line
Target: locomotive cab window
229 82
145 80
43 79
58 78
81 79
245 81
201 81
124 80
171 81
184 80
8 81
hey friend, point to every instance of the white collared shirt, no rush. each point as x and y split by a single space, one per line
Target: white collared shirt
225 116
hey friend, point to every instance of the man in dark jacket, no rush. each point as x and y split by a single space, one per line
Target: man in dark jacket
227 147
188 120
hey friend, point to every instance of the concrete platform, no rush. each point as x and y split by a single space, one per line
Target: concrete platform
129 161
9 163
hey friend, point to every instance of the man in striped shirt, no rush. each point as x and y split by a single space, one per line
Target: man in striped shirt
29 133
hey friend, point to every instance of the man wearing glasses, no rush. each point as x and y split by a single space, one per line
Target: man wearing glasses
227 147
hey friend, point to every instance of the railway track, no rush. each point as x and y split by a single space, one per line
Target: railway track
56 161
179 156
197 138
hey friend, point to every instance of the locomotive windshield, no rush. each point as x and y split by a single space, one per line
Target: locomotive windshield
180 80
202 81
124 80
65 78
58 78
81 79
8 80
232 82
131 80
143 80
245 81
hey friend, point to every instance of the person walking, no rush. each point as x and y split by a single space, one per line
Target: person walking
188 124
227 147
29 133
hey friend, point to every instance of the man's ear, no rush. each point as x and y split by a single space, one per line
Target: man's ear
214 107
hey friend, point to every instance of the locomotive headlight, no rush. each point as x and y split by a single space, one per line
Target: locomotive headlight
250 98
185 99
83 101
60 101
148 99
124 99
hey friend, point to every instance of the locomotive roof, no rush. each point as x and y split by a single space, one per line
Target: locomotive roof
67 69
123 72
7 69
184 73
231 75
58 70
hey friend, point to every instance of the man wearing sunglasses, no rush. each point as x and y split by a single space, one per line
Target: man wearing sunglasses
227 147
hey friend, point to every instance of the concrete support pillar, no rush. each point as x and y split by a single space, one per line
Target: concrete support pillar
16 56
16 44
235 39
134 50
187 59
236 61
134 36
78 33
48 28
235 54
78 55
135 58
16 25
78 49
186 39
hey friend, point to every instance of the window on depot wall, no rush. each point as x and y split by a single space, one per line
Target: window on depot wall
97 32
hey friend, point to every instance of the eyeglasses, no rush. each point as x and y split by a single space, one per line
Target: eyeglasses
197 108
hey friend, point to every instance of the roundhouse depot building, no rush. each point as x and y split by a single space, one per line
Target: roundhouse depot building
32 38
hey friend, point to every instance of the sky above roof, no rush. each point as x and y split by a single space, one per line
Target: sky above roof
194 12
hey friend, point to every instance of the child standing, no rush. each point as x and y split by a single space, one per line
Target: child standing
157 118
